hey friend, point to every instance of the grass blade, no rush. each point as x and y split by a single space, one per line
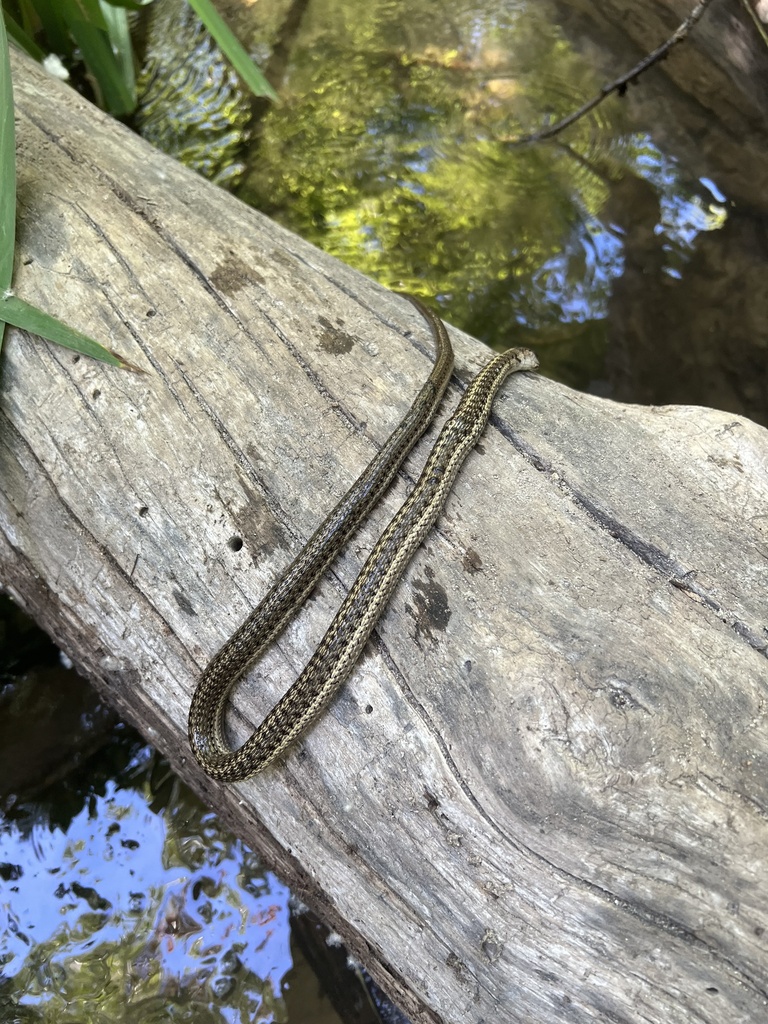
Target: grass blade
232 49
54 27
20 37
129 5
16 311
120 37
7 167
97 53
7 171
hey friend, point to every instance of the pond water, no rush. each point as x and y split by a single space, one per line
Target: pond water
135 898
121 896
628 251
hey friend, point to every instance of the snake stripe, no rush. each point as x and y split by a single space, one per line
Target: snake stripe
345 638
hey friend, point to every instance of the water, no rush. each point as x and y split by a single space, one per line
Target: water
629 257
121 895
136 901
629 250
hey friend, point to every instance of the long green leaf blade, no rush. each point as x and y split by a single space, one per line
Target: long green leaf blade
19 36
97 53
129 5
54 27
232 49
7 167
83 10
120 37
16 311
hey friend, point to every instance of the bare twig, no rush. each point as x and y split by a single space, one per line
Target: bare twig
620 84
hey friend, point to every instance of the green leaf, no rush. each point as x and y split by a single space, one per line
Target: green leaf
103 65
130 5
50 13
232 49
21 38
90 29
120 37
7 167
16 311
88 11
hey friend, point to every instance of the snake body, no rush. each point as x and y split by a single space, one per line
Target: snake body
345 638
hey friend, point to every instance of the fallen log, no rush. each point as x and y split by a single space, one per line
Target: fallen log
542 795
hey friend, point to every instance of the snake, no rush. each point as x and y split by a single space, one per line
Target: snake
338 651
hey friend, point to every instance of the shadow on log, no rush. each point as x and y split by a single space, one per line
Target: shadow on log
542 796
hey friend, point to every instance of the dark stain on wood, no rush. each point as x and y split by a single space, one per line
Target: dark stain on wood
232 274
431 610
471 562
334 340
183 602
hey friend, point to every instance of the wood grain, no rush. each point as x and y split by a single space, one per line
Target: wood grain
542 796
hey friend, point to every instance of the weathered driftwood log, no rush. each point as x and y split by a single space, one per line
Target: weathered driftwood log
542 797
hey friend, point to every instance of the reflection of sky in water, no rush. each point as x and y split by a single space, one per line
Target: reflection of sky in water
577 297
597 250
157 907
687 209
574 285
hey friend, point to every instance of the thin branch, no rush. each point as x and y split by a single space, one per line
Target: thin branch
620 84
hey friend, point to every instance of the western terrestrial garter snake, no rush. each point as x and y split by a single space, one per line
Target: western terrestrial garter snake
340 648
